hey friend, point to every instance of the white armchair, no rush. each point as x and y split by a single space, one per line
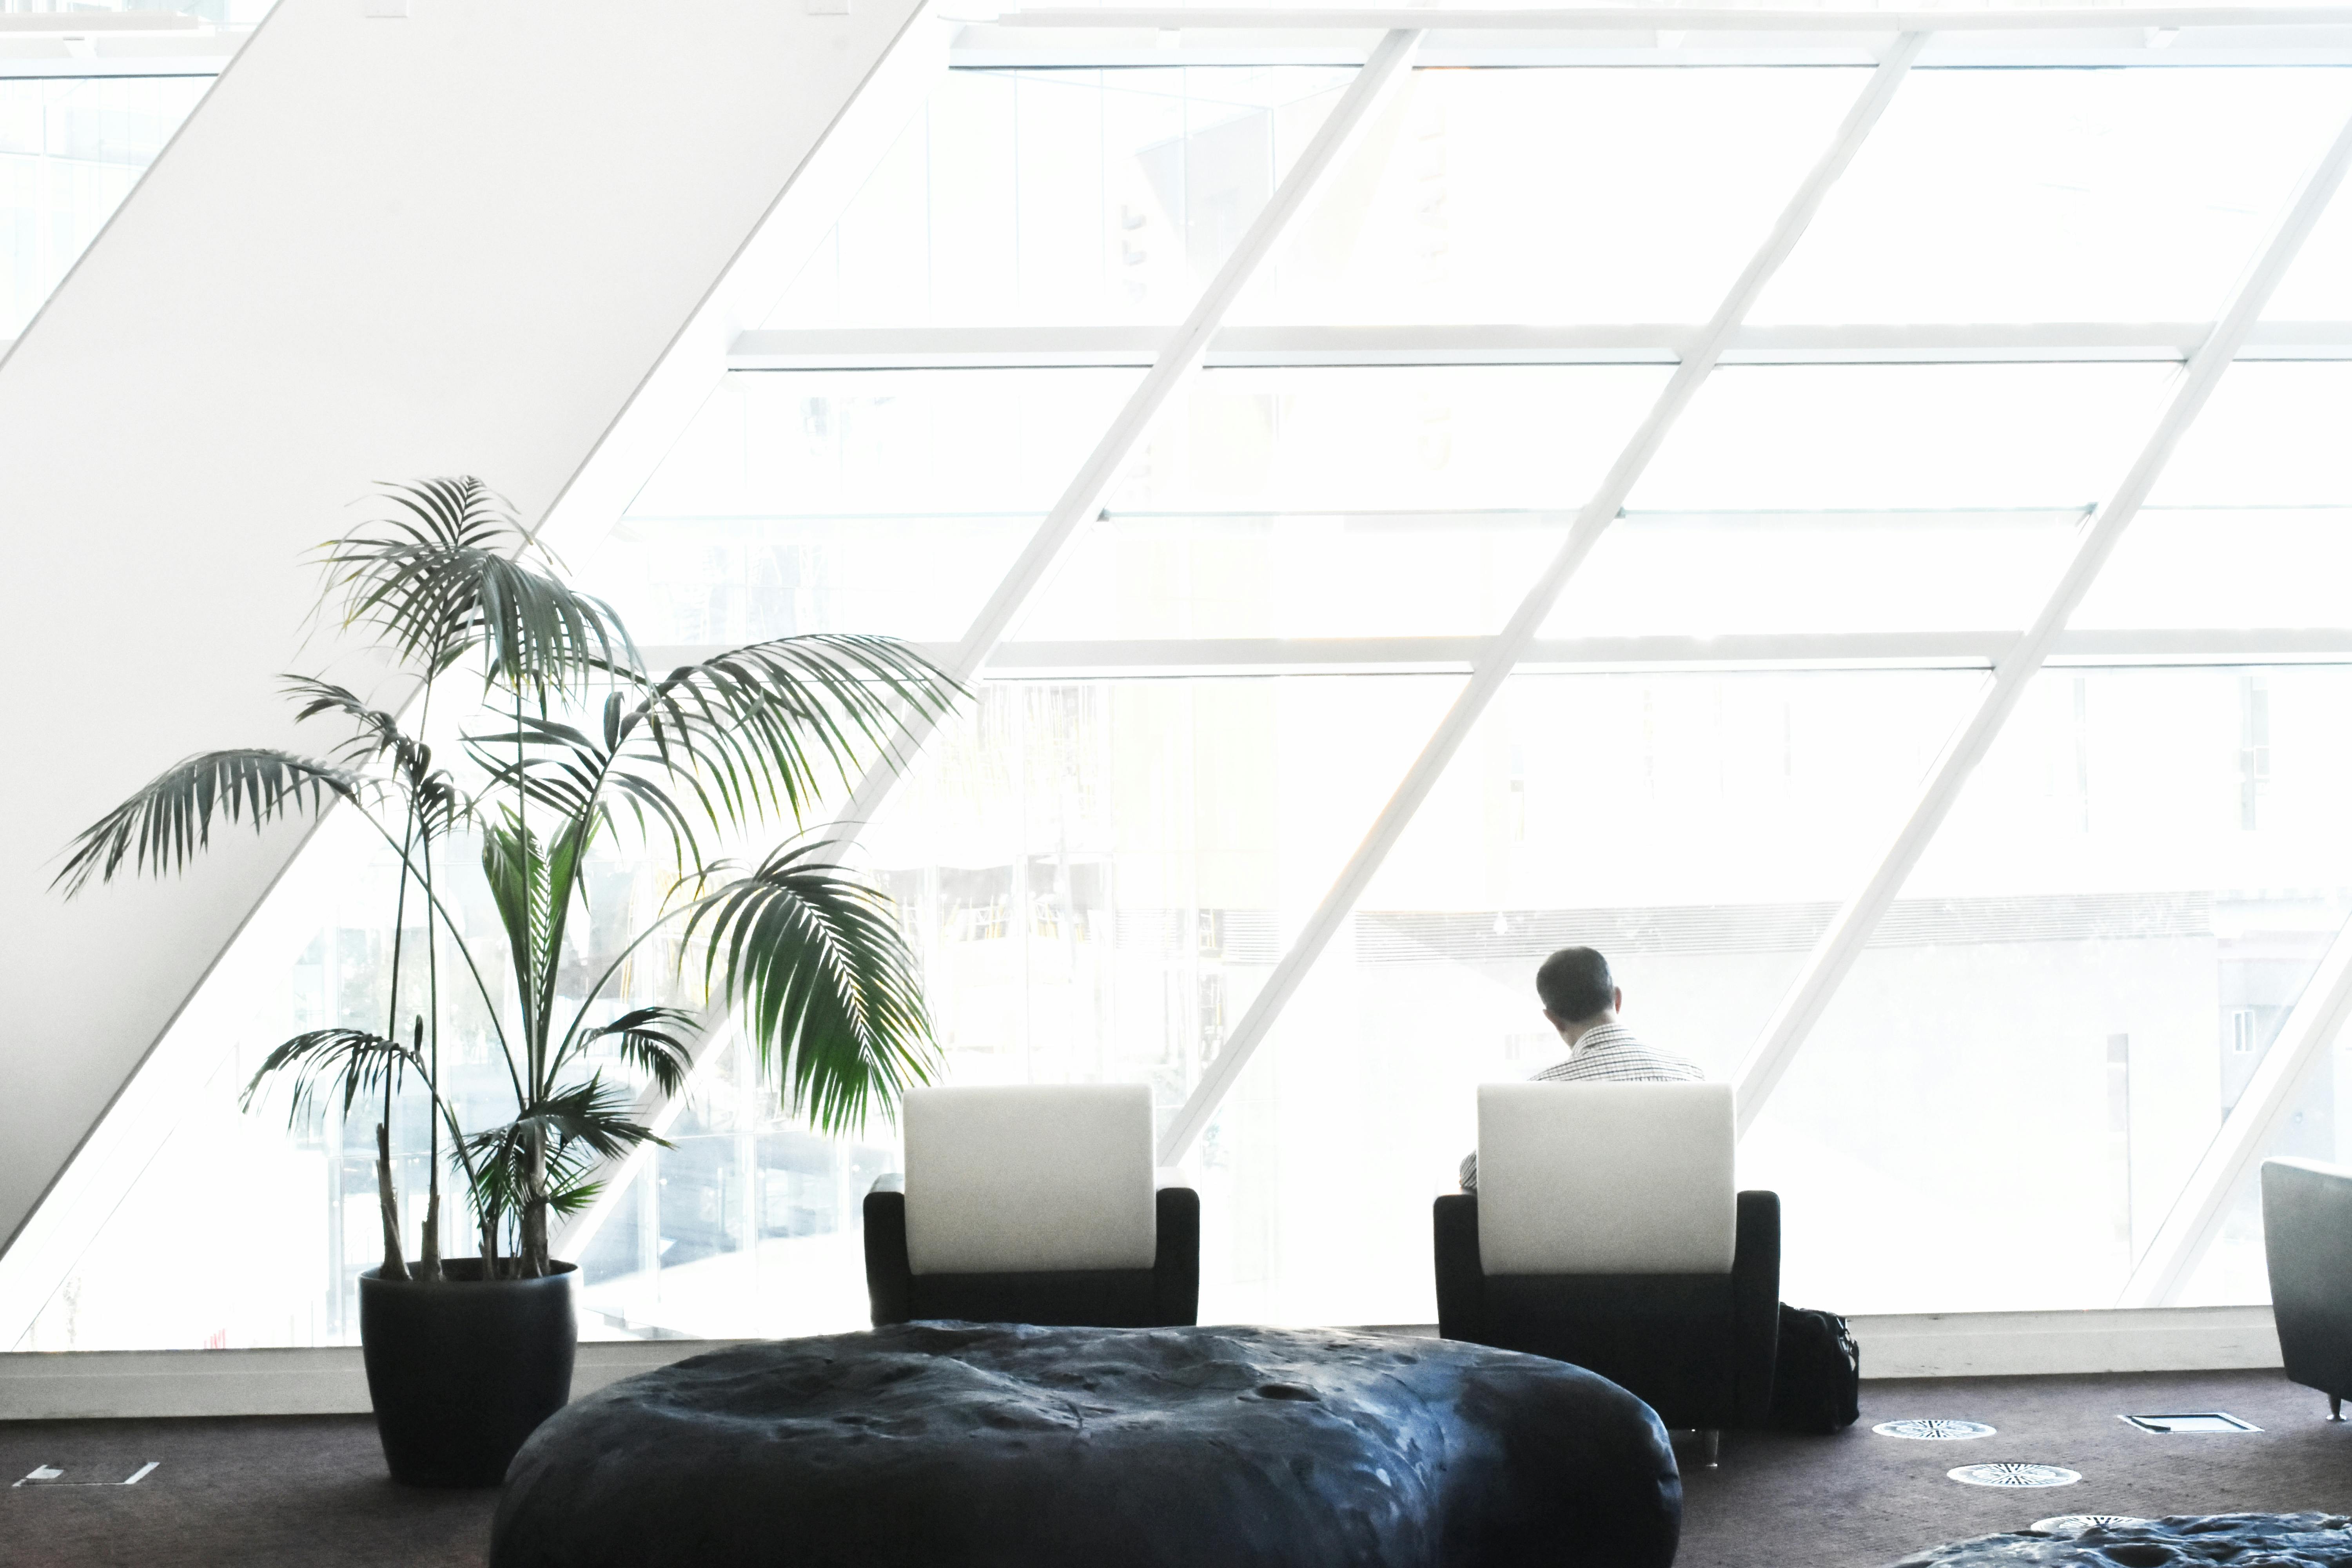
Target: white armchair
1033 1203
1606 1231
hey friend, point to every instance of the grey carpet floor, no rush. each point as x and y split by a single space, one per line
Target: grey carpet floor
1859 1500
310 1492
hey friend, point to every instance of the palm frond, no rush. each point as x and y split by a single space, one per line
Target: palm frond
357 1061
434 793
823 979
497 1185
440 803
516 865
452 570
653 1038
567 1193
163 828
552 764
590 1116
501 1187
763 726
377 731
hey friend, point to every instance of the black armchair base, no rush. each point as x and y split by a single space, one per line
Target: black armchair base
1698 1348
2307 1240
1166 1295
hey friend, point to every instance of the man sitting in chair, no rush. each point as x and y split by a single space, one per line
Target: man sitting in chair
1581 1000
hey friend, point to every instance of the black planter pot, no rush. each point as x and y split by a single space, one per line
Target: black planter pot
461 1372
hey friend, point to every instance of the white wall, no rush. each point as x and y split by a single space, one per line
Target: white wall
466 240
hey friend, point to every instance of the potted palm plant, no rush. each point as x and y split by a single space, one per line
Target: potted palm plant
574 746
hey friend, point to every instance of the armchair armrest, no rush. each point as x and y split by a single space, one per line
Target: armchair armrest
1176 1258
1755 1303
889 1277
1461 1278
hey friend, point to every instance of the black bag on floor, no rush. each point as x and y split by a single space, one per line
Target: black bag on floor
1817 1380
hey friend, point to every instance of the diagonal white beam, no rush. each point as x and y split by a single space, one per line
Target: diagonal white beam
1178 358
1495 664
2197 1214
1842 944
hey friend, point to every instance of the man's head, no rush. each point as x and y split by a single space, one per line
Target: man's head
1576 987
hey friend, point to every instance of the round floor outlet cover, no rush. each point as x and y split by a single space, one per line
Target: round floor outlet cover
2075 1523
2006 1475
1933 1429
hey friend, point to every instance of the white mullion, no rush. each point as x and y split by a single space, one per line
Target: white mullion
1503 654
1177 359
1152 659
1841 946
805 350
1620 19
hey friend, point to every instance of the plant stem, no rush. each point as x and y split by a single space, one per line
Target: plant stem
388 1197
531 1239
429 1264
393 1268
534 1209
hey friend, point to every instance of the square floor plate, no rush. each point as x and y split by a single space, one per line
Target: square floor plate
2190 1421
52 1476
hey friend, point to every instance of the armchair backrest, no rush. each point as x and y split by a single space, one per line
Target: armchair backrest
1030 1179
1605 1178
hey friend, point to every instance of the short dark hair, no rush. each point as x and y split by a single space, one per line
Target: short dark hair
1575 983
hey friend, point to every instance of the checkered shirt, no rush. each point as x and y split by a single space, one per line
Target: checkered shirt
1608 1053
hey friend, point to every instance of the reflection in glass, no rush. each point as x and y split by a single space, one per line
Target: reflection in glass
1874 438
2081 974
1554 195
1242 574
70 150
2225 569
294 1209
1727 573
2318 286
2272 435
1099 877
1062 197
879 443
747 1223
2059 195
797 500
1699 829
1387 438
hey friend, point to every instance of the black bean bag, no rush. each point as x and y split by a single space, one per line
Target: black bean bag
948 1445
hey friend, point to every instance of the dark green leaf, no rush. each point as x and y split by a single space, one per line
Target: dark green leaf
823 979
163 826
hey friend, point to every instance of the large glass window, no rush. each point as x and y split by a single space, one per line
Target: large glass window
1555 195
1062 197
2072 992
1708 746
2059 195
